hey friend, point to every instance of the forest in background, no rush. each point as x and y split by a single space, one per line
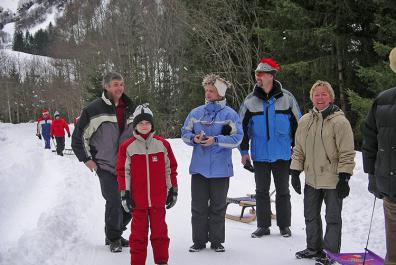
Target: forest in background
164 48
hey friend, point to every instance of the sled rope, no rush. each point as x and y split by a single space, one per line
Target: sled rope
368 236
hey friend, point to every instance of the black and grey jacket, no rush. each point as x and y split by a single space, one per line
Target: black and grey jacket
379 143
97 136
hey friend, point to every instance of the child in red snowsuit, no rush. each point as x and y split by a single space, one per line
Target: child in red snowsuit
58 127
146 173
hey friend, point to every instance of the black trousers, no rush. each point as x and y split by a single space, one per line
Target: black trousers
116 219
262 175
313 199
208 208
60 145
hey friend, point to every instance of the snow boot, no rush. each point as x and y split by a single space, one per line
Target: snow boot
124 242
115 246
310 254
217 247
326 260
261 231
285 231
197 247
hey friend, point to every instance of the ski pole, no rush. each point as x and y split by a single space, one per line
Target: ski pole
368 236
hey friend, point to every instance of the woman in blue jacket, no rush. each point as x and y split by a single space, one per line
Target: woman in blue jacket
213 129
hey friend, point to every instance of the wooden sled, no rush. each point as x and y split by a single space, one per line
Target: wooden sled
248 201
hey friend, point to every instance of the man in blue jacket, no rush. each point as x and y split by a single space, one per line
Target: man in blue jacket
269 117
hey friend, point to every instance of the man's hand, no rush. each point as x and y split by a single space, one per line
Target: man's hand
295 180
372 187
245 158
342 185
171 199
127 202
91 165
208 141
38 135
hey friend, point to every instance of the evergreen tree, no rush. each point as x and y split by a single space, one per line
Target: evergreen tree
18 41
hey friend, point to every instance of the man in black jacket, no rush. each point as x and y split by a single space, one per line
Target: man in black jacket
379 158
99 131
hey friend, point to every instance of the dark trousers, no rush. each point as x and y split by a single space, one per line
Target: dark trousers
116 219
313 199
60 145
390 231
262 175
208 208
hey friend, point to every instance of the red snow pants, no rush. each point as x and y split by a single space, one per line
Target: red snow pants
138 240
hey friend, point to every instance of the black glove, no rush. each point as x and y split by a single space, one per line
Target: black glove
172 198
372 187
52 137
226 130
295 180
342 185
248 166
39 136
127 202
68 135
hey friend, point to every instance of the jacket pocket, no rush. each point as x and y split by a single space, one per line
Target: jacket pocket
282 124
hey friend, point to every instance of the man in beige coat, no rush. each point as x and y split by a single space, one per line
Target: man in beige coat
324 150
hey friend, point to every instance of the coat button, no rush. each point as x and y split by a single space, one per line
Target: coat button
392 173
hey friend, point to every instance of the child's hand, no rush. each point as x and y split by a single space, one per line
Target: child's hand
171 199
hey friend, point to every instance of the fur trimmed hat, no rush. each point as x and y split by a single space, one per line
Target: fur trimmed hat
392 59
267 65
44 111
142 113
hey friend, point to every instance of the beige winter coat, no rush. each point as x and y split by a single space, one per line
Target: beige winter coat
323 147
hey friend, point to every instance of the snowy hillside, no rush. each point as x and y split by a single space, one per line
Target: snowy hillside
52 213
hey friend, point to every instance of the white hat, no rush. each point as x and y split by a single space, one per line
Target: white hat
392 59
221 87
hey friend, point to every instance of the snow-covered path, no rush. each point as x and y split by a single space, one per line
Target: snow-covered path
51 212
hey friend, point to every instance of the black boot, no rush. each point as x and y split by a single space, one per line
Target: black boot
261 231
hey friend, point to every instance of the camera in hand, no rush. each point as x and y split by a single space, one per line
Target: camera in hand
248 166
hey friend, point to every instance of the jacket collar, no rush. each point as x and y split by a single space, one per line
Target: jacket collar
214 106
331 109
275 92
125 99
140 138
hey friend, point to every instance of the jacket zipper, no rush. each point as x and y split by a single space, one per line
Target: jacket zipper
148 176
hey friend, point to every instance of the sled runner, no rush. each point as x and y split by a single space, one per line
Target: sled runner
248 201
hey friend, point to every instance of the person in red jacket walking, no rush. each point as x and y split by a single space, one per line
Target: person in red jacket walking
58 128
146 173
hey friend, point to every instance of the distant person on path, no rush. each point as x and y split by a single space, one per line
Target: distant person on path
213 130
324 150
58 128
379 158
43 129
146 172
269 117
96 137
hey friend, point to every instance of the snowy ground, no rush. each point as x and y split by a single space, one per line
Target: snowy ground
51 212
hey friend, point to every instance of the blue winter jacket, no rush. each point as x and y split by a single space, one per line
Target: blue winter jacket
269 121
213 161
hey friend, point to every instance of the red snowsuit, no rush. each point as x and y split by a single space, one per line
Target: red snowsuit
58 128
141 162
